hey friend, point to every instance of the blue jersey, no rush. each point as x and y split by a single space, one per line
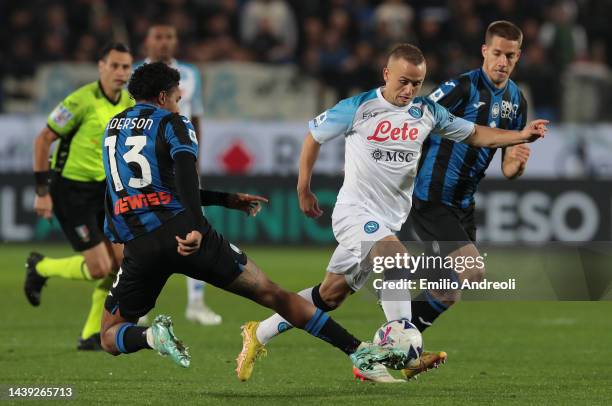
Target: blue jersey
449 172
139 148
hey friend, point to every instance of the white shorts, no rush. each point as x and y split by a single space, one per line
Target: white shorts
356 231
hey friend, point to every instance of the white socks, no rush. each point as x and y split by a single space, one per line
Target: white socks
275 324
150 337
195 292
396 304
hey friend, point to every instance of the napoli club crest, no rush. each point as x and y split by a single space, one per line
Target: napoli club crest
415 112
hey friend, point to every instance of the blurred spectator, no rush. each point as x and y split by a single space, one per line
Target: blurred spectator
396 17
540 77
342 42
86 49
270 18
590 81
564 39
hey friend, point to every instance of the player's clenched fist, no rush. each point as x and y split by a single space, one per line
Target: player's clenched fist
309 204
519 153
43 206
190 244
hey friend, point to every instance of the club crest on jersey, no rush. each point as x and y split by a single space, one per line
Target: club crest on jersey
415 111
495 111
371 227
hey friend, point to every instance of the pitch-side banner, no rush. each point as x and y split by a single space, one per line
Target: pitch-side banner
273 148
522 212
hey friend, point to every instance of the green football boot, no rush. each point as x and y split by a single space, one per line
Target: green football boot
368 354
166 343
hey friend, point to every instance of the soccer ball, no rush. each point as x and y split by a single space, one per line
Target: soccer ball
401 335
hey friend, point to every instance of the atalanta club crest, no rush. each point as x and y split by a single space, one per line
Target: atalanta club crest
415 112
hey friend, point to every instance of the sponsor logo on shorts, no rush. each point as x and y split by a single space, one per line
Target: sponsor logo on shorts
141 200
283 326
83 232
371 227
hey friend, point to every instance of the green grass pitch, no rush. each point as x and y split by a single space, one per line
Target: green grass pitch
499 352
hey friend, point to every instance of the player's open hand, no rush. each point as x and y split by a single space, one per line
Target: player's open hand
250 204
309 204
535 130
43 206
190 244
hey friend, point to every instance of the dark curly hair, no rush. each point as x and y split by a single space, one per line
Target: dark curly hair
152 78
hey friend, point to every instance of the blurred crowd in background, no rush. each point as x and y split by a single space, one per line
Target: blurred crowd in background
342 43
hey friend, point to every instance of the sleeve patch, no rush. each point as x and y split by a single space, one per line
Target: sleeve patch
61 116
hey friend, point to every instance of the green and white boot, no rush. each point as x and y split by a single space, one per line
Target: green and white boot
166 343
368 354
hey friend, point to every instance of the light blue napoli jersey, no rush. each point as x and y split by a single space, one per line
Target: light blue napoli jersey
191 103
383 147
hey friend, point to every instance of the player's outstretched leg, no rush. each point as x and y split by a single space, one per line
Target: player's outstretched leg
326 296
122 336
254 285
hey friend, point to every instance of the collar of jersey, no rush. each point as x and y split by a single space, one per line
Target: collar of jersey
391 105
490 84
114 103
173 62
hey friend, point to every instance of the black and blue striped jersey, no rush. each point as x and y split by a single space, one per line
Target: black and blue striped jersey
449 172
139 148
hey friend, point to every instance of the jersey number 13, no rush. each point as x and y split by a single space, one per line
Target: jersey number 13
137 142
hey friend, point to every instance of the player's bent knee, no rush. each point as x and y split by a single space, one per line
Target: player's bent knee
107 340
334 296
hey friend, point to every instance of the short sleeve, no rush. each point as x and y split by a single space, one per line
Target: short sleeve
448 125
67 116
197 102
334 122
180 136
449 94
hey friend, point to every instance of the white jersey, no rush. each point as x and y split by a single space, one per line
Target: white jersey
383 147
191 103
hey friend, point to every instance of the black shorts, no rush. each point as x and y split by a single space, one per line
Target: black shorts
79 208
149 260
447 227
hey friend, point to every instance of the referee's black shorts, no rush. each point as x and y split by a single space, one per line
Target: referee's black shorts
444 228
149 260
79 209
